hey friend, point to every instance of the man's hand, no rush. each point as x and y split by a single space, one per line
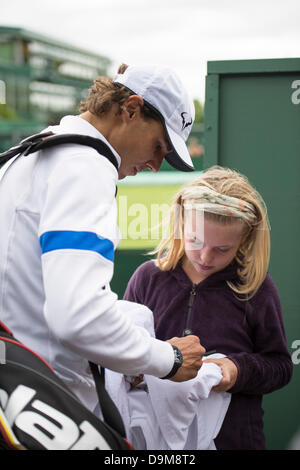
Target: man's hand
229 372
192 353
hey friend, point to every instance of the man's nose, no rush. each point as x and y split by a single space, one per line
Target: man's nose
154 165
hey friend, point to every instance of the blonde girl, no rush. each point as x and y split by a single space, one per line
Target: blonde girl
210 278
225 198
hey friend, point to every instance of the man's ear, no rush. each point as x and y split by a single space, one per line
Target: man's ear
132 106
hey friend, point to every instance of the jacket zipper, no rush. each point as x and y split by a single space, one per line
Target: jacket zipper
187 330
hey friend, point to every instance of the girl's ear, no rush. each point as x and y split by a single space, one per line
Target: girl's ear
246 240
132 107
248 230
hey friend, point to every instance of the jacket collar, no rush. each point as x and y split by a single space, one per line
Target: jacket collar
214 280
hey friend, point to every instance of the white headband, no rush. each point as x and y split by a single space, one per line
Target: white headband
207 200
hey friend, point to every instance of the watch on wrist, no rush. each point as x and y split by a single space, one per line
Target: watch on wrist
177 363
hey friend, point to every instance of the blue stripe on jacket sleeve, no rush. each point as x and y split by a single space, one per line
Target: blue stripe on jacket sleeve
67 239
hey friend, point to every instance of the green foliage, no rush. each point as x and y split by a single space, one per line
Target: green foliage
7 113
199 112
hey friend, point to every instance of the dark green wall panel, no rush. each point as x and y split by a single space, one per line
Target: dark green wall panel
252 124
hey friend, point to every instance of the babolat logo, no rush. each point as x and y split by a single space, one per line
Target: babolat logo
46 425
2 353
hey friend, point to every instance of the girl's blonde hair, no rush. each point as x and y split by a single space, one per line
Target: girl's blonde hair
253 254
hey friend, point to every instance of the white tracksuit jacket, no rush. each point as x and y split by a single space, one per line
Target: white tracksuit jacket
58 233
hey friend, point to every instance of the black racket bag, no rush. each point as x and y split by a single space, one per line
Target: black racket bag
39 412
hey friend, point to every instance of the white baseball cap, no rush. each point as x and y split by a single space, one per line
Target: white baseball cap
162 90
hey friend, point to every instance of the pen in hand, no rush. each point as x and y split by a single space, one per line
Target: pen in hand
188 332
209 353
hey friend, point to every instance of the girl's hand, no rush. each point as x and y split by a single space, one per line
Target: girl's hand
229 371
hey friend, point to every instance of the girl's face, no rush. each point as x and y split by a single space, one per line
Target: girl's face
209 246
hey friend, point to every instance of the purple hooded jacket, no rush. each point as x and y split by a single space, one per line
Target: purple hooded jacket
250 333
